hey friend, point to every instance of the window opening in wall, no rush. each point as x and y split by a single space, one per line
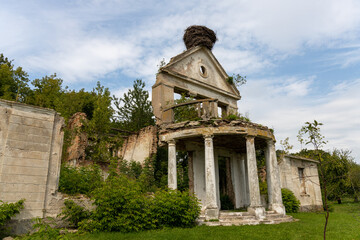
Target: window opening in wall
302 180
177 96
203 71
220 112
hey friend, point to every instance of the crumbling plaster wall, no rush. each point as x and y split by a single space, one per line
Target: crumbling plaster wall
31 140
311 199
140 146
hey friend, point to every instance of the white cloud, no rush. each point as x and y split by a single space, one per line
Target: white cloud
270 102
87 40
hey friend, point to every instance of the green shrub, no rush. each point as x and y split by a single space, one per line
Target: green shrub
44 229
132 169
172 208
123 206
74 213
291 203
79 180
8 210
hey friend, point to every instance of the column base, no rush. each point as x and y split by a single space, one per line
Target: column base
278 208
212 213
258 211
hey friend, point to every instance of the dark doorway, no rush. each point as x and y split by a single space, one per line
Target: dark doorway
226 188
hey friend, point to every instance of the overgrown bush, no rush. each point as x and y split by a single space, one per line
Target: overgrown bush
79 180
44 229
291 203
123 206
175 209
8 210
131 168
74 213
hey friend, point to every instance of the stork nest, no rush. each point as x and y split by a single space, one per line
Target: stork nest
199 35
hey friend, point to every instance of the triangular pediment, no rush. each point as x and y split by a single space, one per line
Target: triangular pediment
200 65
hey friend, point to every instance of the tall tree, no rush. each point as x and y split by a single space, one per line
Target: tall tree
47 92
134 109
99 126
13 82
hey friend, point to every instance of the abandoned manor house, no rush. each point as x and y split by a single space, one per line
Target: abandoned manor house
221 153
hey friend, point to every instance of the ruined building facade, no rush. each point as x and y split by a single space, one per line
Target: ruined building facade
198 74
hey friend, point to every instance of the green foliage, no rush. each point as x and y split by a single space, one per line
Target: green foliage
8 210
13 82
187 112
134 110
336 166
173 208
238 116
131 168
47 92
44 230
314 137
236 80
73 213
263 187
344 224
291 203
285 145
98 128
79 180
354 180
161 167
72 102
123 206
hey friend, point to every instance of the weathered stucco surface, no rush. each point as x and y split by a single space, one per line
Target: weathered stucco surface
31 140
197 73
140 146
306 189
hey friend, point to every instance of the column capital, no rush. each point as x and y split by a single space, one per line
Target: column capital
249 137
171 142
207 136
270 142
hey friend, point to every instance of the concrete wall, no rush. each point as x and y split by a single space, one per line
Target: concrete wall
140 146
308 190
31 141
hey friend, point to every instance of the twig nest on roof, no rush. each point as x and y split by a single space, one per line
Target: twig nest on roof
199 35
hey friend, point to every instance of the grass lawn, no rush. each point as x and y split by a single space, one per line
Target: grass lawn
344 223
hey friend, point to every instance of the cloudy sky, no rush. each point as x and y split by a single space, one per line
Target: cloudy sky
301 58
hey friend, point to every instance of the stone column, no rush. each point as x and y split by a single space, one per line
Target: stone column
172 178
211 208
243 182
191 171
273 179
253 180
246 181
